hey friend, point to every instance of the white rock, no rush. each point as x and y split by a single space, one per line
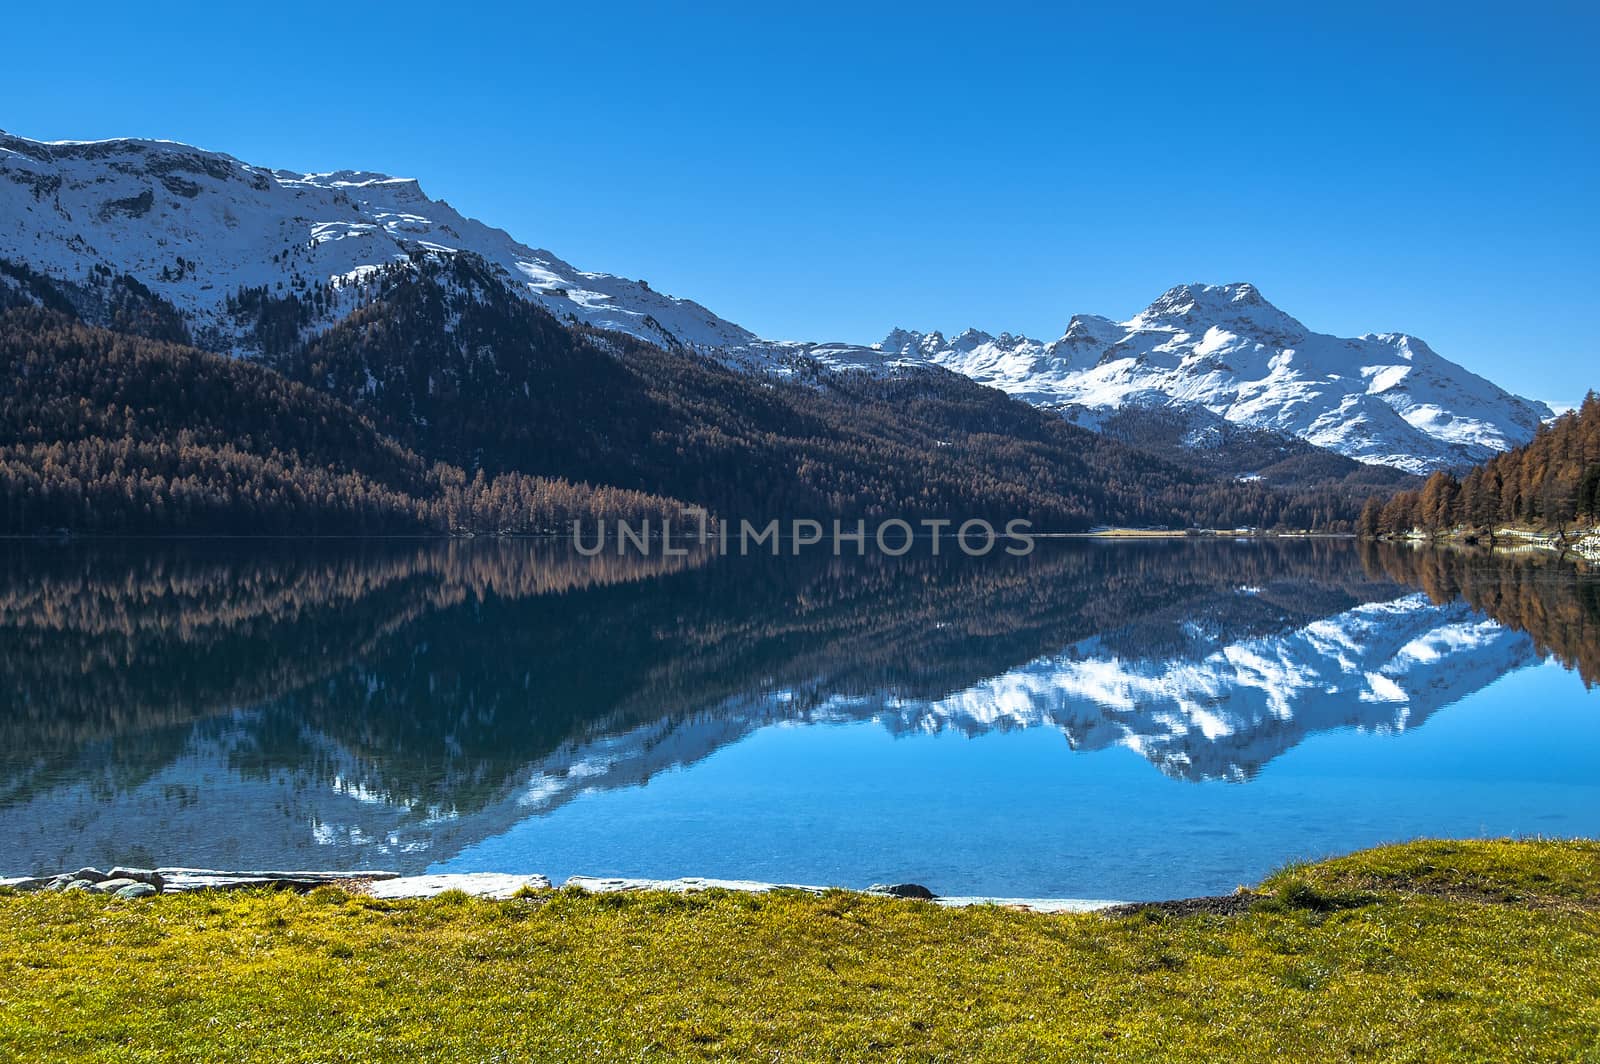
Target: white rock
134 891
601 885
478 884
1038 905
180 879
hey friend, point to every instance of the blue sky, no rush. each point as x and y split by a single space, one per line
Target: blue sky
841 170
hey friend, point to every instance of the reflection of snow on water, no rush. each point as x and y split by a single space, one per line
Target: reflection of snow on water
1376 666
1221 711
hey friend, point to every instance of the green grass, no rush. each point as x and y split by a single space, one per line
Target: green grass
1424 952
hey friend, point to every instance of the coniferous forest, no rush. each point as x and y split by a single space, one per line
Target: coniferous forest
1550 483
103 431
445 403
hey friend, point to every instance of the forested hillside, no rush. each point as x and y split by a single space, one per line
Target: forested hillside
445 402
1552 482
452 364
106 431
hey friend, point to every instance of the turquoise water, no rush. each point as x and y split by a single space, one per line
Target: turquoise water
1019 815
1100 720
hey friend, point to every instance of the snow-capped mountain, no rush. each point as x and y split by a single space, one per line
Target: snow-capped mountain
197 227
1385 398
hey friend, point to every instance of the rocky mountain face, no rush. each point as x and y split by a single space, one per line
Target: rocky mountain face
1384 398
250 258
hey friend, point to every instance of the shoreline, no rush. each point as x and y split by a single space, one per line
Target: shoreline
1582 543
501 886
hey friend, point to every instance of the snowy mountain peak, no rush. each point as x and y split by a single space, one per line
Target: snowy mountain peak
933 346
1238 307
1225 351
1088 328
900 342
361 185
1209 299
197 226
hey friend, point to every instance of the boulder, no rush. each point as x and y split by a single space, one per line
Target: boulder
903 890
136 890
27 882
139 875
79 884
91 875
111 886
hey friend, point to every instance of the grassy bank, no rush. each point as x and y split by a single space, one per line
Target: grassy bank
1426 952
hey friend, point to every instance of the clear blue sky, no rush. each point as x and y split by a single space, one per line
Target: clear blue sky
835 172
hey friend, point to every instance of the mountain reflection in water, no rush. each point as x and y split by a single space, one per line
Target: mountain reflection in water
391 704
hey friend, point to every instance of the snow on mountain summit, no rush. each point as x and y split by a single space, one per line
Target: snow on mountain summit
1237 307
196 226
1386 398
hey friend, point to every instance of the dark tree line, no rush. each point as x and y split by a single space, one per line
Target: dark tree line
1551 482
102 431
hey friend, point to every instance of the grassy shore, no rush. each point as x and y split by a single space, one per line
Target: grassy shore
1428 952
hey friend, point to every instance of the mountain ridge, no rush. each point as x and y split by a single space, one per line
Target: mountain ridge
201 229
1384 398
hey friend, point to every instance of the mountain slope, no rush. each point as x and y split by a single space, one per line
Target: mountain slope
1196 437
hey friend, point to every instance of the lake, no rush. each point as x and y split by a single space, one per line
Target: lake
1100 719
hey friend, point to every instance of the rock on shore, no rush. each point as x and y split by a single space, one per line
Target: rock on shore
144 882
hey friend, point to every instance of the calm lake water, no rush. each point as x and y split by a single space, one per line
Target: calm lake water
1099 720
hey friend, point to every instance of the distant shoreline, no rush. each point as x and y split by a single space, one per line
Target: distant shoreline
1583 542
1190 533
1099 533
505 885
